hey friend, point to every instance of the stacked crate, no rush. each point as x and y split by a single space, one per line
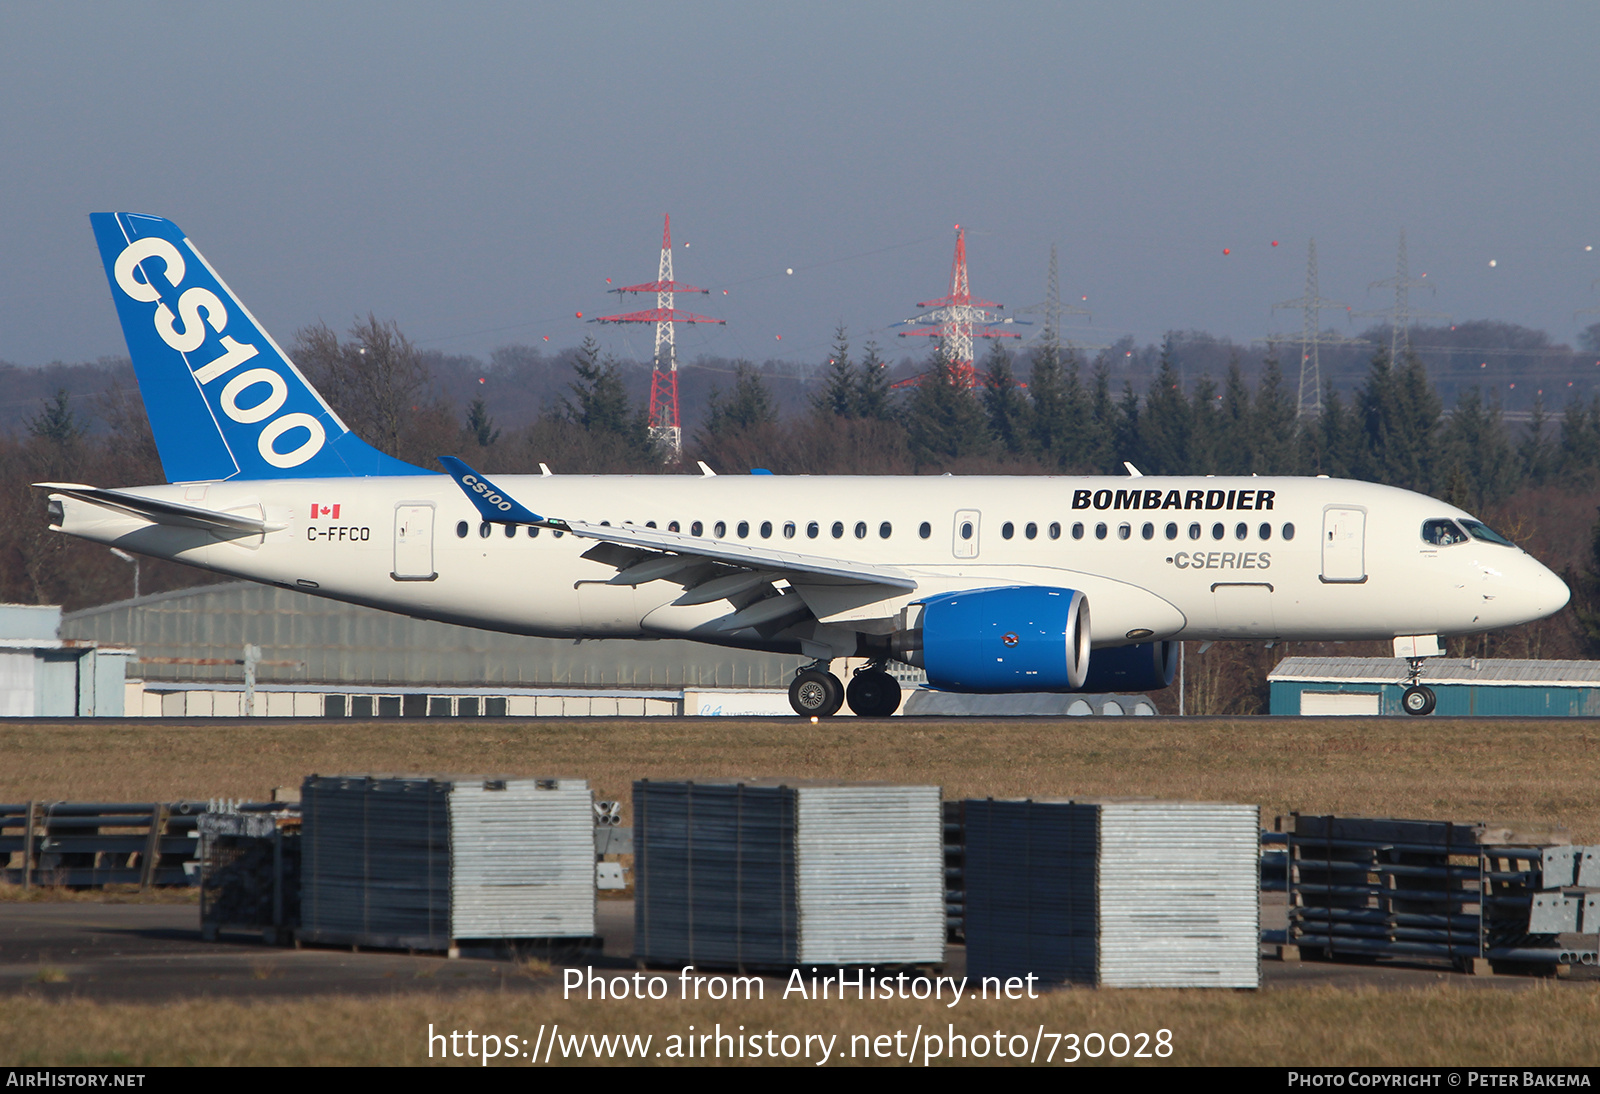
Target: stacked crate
250 873
1440 889
420 862
1113 893
767 875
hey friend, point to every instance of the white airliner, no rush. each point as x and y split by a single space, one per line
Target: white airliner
990 584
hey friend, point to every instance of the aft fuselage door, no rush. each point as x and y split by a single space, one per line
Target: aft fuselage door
966 533
1344 549
413 542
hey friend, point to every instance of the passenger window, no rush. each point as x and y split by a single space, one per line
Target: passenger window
1218 531
1055 530
766 529
649 524
1265 531
533 531
484 529
884 530
461 530
672 526
1031 531
838 529
1007 530
696 528
719 529
1077 531
788 529
861 529
558 533
1148 531
1194 531
1099 531
1288 531
1241 531
511 531
1124 531
1172 531
744 529
812 529
1442 533
924 530
966 529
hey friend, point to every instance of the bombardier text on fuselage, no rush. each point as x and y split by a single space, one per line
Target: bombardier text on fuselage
991 584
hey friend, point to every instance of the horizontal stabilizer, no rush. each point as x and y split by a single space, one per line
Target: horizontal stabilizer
162 512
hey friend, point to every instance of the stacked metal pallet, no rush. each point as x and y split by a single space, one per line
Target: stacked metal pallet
91 844
1114 893
250 873
752 875
419 862
1467 893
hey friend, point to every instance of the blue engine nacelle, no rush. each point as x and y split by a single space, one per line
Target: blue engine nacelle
1148 666
1018 638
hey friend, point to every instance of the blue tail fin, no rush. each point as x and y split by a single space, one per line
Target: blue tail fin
224 400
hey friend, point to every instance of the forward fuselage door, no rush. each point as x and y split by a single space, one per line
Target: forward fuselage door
1344 549
413 542
966 533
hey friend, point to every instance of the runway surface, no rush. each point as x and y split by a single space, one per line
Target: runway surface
154 953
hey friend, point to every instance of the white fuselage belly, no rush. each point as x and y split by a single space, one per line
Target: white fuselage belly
1356 566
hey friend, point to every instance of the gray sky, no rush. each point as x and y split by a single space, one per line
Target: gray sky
477 171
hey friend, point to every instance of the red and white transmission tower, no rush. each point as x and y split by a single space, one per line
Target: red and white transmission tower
957 318
666 428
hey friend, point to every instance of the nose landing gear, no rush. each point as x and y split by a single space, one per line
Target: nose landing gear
1417 699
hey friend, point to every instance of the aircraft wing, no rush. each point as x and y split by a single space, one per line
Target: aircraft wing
712 569
163 512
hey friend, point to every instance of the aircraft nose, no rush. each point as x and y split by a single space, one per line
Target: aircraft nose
1546 594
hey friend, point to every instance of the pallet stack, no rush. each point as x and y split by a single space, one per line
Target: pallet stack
770 875
82 845
1114 893
250 873
1477 895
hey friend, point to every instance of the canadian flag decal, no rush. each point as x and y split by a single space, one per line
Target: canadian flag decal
324 511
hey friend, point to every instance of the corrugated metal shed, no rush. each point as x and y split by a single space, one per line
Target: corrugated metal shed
1464 686
337 642
745 875
418 862
1115 893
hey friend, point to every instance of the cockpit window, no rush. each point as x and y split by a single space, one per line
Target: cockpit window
1479 530
1442 533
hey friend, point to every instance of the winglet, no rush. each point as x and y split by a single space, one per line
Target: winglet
495 505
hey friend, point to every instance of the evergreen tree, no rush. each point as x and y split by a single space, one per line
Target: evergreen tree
1048 396
1007 406
840 396
1168 423
1334 445
1478 455
479 426
1207 453
1126 437
1399 416
1237 441
1105 426
602 408
1273 424
1533 452
944 420
749 406
1579 447
56 434
873 399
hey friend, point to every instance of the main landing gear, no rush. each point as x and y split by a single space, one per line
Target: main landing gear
817 693
1417 699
